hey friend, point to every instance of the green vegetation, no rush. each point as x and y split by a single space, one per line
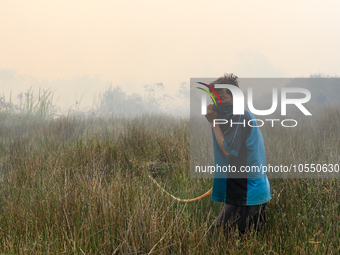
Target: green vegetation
30 105
79 186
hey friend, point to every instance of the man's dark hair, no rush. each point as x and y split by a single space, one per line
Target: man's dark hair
226 79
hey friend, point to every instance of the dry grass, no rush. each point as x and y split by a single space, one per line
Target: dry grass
79 187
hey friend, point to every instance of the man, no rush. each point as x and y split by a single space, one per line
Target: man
237 145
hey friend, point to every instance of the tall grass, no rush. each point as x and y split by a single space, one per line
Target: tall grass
31 105
79 187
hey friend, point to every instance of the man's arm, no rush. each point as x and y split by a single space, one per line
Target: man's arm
211 115
220 138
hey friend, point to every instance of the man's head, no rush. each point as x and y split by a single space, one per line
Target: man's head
225 94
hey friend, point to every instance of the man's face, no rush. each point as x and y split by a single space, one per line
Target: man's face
225 97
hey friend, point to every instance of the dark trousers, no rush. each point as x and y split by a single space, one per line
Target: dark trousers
244 217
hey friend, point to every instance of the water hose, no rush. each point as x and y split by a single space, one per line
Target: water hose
179 199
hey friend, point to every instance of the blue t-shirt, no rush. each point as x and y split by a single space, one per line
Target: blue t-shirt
243 187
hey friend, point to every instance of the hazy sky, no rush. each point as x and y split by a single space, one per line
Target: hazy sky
134 43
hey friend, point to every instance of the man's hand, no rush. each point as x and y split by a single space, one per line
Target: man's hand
211 114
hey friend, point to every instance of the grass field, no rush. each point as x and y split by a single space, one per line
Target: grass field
79 186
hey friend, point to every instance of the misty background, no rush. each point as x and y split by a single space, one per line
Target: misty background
128 57
91 96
